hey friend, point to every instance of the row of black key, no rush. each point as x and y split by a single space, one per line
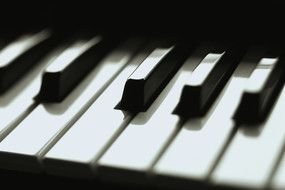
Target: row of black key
207 81
148 80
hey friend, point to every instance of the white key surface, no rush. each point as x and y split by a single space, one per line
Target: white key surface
95 129
278 181
41 128
195 149
141 142
18 101
251 155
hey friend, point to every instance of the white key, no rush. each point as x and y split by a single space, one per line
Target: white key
86 140
25 145
18 101
193 152
253 152
278 181
131 156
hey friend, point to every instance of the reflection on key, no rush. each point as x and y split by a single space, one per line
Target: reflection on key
148 80
18 57
206 82
261 89
70 67
28 142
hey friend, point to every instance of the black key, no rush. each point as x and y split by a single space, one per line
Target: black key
69 68
148 80
261 91
206 81
17 57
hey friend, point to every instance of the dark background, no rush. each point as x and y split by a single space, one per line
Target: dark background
233 20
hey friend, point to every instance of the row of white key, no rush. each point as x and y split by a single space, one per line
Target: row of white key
147 133
133 155
137 149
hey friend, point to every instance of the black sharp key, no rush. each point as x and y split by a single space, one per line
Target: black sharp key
17 57
261 91
207 80
67 70
147 81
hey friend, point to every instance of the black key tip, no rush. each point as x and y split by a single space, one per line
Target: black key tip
50 88
190 104
248 111
133 96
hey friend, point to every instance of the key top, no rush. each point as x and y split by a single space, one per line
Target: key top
261 90
207 81
70 67
19 56
23 148
148 80
96 129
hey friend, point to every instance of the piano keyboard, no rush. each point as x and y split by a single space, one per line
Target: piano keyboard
143 111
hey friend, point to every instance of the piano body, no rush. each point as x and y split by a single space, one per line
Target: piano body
147 95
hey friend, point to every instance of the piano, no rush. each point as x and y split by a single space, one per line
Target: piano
144 96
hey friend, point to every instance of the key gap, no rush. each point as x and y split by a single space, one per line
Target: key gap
127 120
274 169
17 121
222 152
178 128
